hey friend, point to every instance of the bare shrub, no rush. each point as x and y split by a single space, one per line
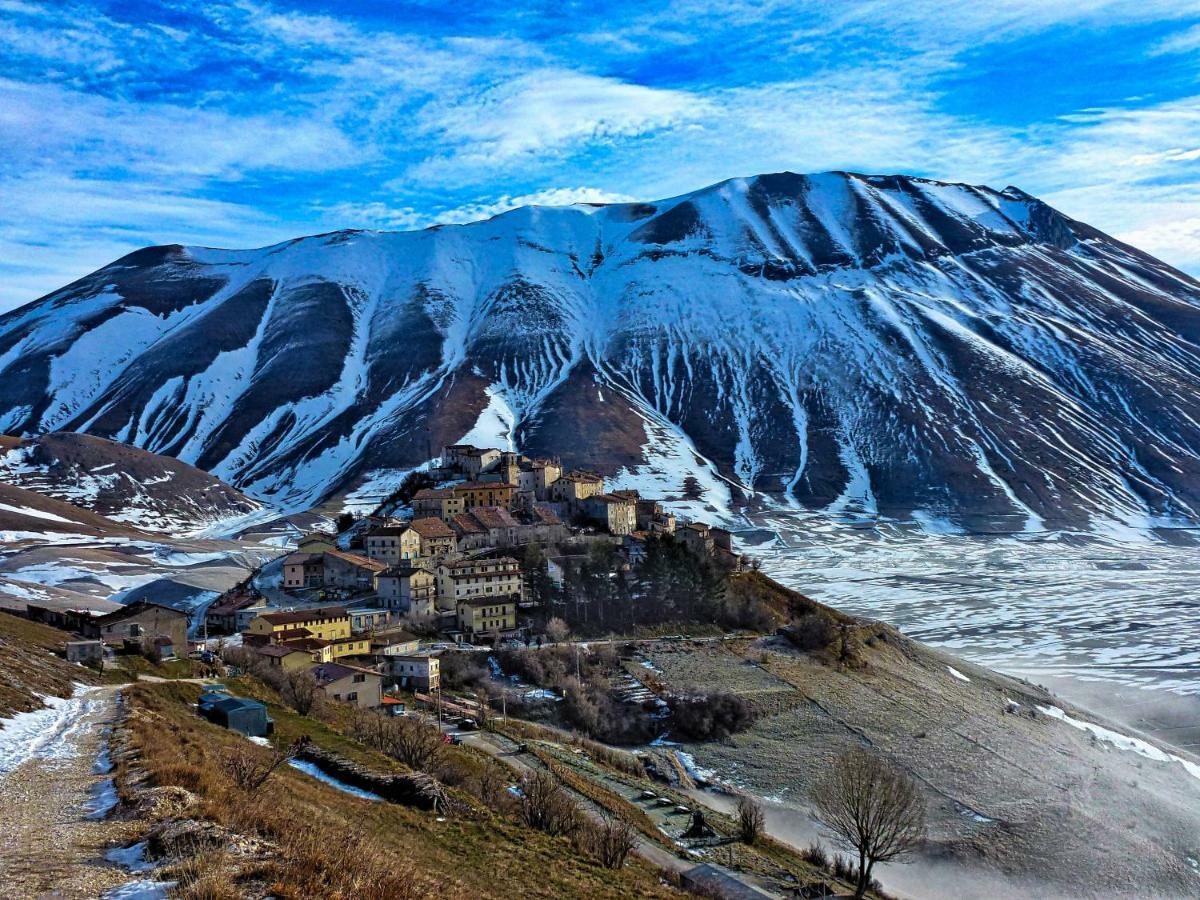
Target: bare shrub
557 630
811 631
609 841
750 819
872 809
301 692
705 717
249 767
815 854
415 743
546 806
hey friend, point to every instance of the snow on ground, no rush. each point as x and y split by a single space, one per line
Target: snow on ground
143 889
957 674
35 513
47 733
131 858
315 771
1121 741
1049 604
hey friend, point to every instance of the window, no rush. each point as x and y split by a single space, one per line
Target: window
352 696
360 678
134 629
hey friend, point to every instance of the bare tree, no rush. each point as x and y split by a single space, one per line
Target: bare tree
611 841
250 768
415 743
546 806
871 808
750 819
301 692
557 630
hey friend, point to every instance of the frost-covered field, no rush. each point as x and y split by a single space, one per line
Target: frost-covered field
1050 604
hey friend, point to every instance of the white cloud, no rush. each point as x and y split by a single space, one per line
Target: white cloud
548 112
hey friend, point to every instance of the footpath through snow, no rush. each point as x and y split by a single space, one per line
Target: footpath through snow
55 790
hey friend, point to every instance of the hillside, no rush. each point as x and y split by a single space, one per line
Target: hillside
853 343
123 483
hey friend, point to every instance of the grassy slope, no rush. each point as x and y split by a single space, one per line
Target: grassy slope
320 830
32 665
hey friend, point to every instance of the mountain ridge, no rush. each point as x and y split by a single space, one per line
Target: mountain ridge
841 341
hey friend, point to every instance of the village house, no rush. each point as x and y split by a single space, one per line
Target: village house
471 461
696 537
479 616
508 467
414 672
484 493
499 527
437 538
285 657
394 642
470 533
464 578
542 526
393 544
537 476
329 623
575 487
617 514
304 570
409 588
369 619
139 624
350 571
350 684
231 613
651 517
437 503
316 542
634 547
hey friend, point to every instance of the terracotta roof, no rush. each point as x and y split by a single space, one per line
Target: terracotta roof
278 651
434 494
493 517
307 644
430 528
385 530
398 636
468 524
545 514
292 634
697 526
305 615
610 499
583 477
481 486
406 568
329 672
233 604
391 701
355 560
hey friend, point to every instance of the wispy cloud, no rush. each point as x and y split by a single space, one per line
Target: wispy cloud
247 122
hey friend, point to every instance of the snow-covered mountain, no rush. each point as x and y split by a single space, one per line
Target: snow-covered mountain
840 341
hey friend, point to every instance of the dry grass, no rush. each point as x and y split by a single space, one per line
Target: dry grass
330 844
32 665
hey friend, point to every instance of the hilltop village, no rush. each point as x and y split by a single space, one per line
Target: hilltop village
478 550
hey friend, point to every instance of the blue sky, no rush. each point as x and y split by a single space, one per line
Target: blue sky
128 122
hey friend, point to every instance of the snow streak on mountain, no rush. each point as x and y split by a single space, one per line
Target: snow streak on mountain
868 344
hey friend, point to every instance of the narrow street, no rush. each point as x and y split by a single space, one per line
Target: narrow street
52 779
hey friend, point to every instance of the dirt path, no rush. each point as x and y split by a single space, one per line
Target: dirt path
51 780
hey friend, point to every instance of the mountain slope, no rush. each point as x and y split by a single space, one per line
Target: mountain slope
123 483
851 342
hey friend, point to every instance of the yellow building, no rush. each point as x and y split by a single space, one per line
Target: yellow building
329 623
484 615
484 493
